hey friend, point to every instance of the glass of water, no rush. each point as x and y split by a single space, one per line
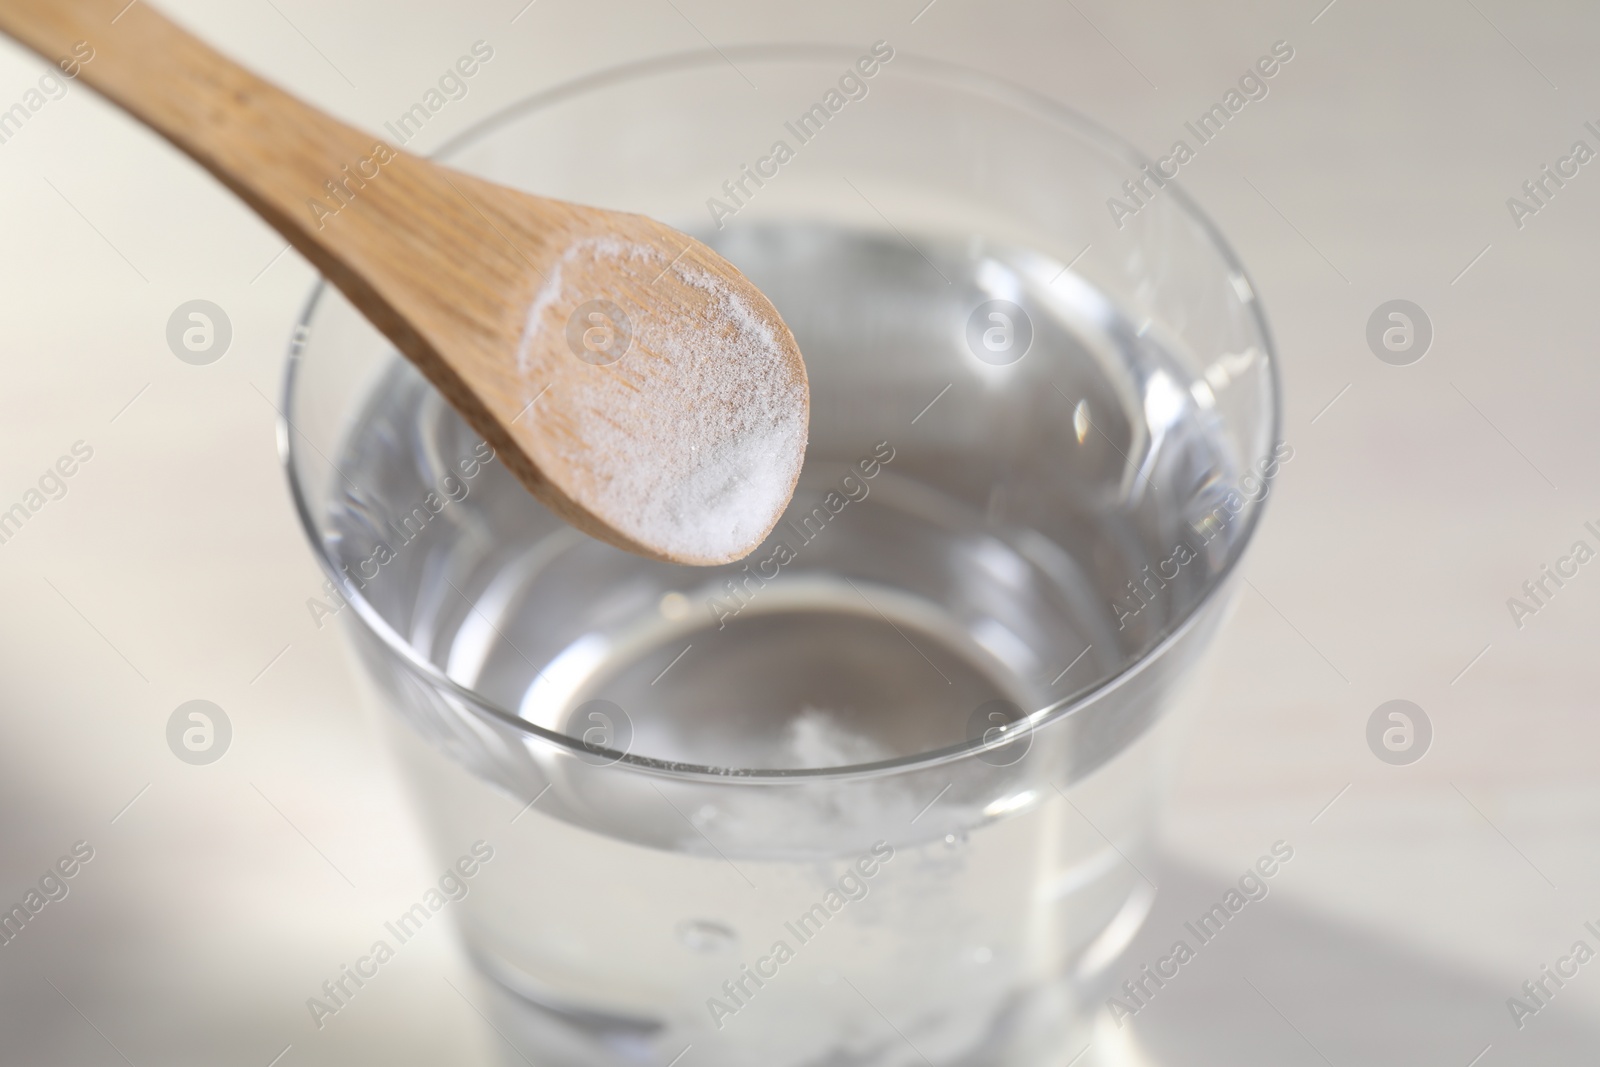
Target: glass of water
879 794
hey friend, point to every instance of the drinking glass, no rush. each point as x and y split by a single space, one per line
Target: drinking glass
880 794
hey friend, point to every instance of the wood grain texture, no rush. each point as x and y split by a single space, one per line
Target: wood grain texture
446 265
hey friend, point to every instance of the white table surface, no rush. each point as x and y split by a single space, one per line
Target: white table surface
1417 503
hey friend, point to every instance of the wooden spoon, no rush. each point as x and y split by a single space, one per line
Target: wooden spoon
634 380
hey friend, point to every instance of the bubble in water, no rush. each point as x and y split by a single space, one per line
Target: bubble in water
703 935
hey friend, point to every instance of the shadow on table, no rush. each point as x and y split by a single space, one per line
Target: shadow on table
1281 986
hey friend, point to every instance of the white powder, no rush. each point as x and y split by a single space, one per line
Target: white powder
815 738
593 249
711 478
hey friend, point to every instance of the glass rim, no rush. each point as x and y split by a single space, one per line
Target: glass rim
952 74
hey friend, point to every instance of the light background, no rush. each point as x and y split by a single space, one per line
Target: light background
1416 504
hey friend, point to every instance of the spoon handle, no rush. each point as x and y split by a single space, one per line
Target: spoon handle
272 150
384 226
